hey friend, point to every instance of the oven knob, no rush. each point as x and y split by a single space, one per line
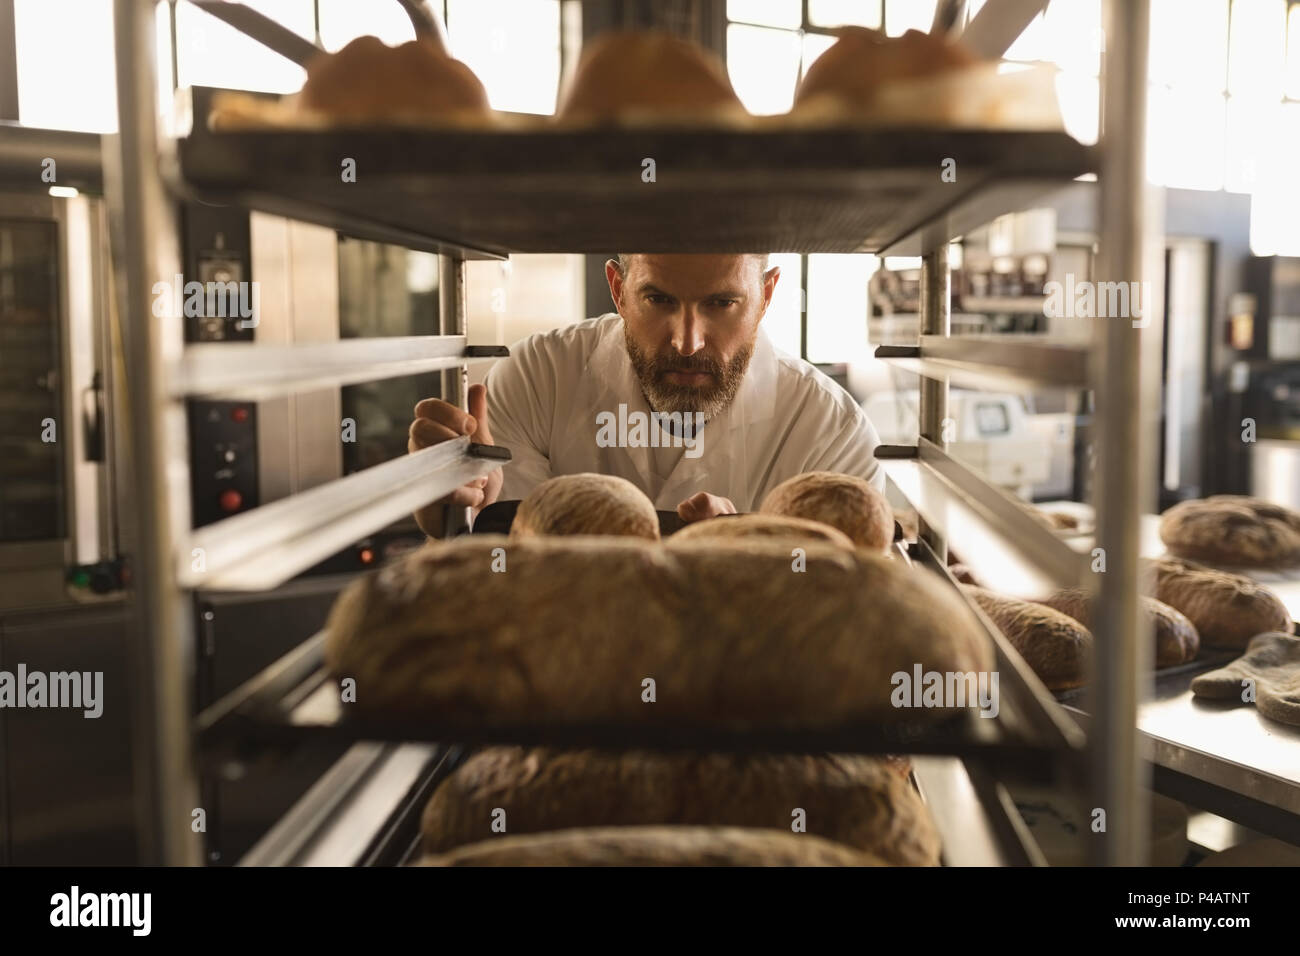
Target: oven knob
231 500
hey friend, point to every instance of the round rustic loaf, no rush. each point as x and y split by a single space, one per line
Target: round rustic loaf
655 846
586 504
1177 640
1055 646
485 628
630 74
862 60
1234 530
792 530
857 801
846 502
1227 610
369 81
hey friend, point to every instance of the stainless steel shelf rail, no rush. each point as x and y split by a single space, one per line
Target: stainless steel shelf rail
263 547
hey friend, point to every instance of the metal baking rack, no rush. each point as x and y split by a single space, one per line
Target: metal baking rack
464 195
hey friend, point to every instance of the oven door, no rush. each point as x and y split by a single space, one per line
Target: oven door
55 486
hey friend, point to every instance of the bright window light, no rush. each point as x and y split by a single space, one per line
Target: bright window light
65 65
1074 37
342 21
764 67
212 53
1258 47
837 13
513 46
769 13
782 321
837 307
1077 95
904 15
1185 147
1275 206
1293 54
1189 43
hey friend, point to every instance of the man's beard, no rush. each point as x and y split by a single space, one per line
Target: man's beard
666 396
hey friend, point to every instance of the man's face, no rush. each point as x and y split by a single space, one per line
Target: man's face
690 323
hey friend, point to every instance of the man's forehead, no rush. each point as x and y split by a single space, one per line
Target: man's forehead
686 274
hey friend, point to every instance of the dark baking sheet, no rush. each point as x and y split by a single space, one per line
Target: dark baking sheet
493 193
1206 660
296 699
497 517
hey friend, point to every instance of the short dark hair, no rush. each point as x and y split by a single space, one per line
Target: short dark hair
620 260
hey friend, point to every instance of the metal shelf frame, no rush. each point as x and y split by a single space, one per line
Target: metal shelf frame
263 547
143 173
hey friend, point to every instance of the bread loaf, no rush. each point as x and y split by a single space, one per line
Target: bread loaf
586 504
1227 610
1177 640
1233 530
655 846
628 75
862 60
793 530
1055 646
368 81
846 502
1271 669
570 629
857 801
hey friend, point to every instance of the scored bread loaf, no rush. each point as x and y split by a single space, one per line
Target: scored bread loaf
369 81
1234 530
655 846
1054 645
846 502
1227 610
574 629
854 800
861 61
1177 640
793 530
586 504
629 75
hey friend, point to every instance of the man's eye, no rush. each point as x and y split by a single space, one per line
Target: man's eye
658 299
725 303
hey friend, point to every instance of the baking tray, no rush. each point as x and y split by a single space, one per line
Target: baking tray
490 193
296 699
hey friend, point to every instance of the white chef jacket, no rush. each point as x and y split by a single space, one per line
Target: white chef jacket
787 418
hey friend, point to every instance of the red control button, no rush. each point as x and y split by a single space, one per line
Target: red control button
239 415
231 500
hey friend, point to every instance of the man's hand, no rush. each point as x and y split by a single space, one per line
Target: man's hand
437 421
704 505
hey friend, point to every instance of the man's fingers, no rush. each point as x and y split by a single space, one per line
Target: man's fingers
690 509
478 411
446 414
424 433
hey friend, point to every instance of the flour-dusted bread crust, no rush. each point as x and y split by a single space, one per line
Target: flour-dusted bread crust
1226 609
731 635
861 61
854 800
1177 640
586 504
1233 530
1054 645
1272 666
795 531
655 846
633 75
368 81
845 502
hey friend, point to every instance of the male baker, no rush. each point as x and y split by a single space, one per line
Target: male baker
679 391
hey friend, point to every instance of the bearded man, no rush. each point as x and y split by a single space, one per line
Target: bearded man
679 391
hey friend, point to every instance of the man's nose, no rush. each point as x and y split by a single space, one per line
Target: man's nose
688 333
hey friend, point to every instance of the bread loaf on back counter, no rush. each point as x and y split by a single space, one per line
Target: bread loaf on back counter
1227 609
855 800
487 628
1177 640
1054 645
